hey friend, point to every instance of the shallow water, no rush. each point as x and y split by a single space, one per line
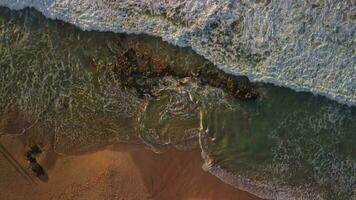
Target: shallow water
297 138
61 81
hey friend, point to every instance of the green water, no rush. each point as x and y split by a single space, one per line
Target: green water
296 138
287 138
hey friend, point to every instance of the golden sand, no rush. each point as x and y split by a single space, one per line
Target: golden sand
123 172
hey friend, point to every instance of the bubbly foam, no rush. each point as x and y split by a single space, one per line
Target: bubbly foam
306 46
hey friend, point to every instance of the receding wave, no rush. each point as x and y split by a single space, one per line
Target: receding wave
306 46
82 90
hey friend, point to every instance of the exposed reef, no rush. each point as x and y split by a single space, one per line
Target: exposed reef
304 45
142 72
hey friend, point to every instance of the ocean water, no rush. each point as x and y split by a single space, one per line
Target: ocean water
303 45
284 145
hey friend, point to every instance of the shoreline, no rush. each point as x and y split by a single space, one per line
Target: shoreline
118 172
266 189
177 37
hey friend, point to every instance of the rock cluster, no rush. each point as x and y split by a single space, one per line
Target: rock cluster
138 70
304 45
31 155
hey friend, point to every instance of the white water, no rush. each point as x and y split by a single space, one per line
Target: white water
306 46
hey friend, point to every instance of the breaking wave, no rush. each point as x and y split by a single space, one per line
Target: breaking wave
284 145
306 46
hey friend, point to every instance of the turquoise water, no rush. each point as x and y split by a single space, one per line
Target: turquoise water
285 138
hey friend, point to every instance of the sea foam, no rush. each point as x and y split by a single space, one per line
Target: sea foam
306 46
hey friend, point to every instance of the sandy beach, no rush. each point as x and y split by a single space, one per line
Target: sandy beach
123 172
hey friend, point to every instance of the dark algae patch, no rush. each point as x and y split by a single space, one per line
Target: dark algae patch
137 69
73 91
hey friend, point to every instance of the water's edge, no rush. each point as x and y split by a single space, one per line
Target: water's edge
339 90
262 190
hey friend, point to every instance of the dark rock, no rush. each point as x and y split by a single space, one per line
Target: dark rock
32 153
35 150
142 71
37 169
238 86
30 157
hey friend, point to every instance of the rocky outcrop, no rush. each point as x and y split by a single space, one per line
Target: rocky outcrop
141 71
305 45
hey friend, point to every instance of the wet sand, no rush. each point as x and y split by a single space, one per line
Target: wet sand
123 172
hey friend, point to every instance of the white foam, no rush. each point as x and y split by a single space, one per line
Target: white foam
300 45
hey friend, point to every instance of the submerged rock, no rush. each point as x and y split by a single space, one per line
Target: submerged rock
141 71
304 45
